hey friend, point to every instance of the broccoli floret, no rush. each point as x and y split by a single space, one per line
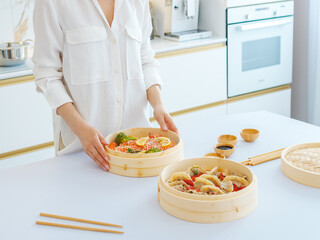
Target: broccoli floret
131 151
122 137
153 150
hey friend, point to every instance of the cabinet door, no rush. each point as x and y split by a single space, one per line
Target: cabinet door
194 79
276 102
25 117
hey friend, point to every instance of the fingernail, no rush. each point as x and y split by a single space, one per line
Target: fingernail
165 128
105 167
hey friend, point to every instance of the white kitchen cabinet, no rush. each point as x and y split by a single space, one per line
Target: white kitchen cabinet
194 79
25 117
276 102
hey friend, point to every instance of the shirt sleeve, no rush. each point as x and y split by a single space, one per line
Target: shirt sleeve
47 54
150 65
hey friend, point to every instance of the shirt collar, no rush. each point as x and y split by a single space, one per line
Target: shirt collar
116 9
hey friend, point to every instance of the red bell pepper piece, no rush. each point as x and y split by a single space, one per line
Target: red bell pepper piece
221 176
195 176
235 188
189 182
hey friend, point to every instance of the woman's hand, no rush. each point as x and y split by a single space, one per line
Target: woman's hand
159 112
164 119
90 138
93 144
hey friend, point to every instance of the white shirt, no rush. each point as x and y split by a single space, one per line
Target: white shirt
104 71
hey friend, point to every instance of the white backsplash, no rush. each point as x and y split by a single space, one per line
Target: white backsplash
16 20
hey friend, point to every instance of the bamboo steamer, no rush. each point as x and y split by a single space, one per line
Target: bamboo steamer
301 163
143 165
205 208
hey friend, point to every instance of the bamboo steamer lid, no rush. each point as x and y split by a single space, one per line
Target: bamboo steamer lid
301 163
143 165
207 208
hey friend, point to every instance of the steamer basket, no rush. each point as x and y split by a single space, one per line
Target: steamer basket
303 166
205 208
143 165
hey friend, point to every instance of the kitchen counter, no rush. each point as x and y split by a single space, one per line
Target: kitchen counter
16 71
158 44
73 185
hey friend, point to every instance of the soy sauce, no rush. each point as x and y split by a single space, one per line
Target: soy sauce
224 147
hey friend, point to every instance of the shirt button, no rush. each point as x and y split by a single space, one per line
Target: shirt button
114 41
118 100
116 71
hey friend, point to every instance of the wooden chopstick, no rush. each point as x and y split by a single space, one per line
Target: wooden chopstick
77 227
263 157
79 220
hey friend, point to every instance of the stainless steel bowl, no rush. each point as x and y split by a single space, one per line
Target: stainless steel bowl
14 53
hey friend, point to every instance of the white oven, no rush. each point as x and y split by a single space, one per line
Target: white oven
260 44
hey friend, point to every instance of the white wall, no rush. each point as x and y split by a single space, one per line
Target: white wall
314 63
306 62
299 100
16 20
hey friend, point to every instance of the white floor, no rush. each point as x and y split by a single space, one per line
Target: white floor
27 158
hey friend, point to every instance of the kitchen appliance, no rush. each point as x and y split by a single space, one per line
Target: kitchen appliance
14 53
178 19
260 44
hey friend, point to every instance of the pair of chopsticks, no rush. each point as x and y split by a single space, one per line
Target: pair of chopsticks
78 227
263 157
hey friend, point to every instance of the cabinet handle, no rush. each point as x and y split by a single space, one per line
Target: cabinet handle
264 24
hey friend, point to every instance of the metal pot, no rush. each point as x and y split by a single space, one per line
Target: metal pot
14 53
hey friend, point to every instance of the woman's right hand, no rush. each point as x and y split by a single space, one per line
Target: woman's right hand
91 139
93 144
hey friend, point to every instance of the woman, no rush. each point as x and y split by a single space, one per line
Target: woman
94 65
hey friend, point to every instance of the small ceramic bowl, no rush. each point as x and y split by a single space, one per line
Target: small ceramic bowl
231 139
225 149
215 155
249 134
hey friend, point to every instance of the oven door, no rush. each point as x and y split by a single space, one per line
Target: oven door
259 55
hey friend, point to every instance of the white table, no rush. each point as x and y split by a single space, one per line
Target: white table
74 186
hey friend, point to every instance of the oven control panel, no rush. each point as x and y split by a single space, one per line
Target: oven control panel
259 12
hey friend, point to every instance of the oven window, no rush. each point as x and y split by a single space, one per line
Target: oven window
260 53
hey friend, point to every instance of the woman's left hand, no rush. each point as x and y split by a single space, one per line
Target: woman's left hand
164 119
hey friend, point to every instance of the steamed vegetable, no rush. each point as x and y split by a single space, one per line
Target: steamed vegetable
112 145
153 150
122 137
132 151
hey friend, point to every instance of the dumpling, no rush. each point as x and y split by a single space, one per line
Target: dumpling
179 176
209 189
227 186
239 181
179 185
199 182
212 178
195 170
213 171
